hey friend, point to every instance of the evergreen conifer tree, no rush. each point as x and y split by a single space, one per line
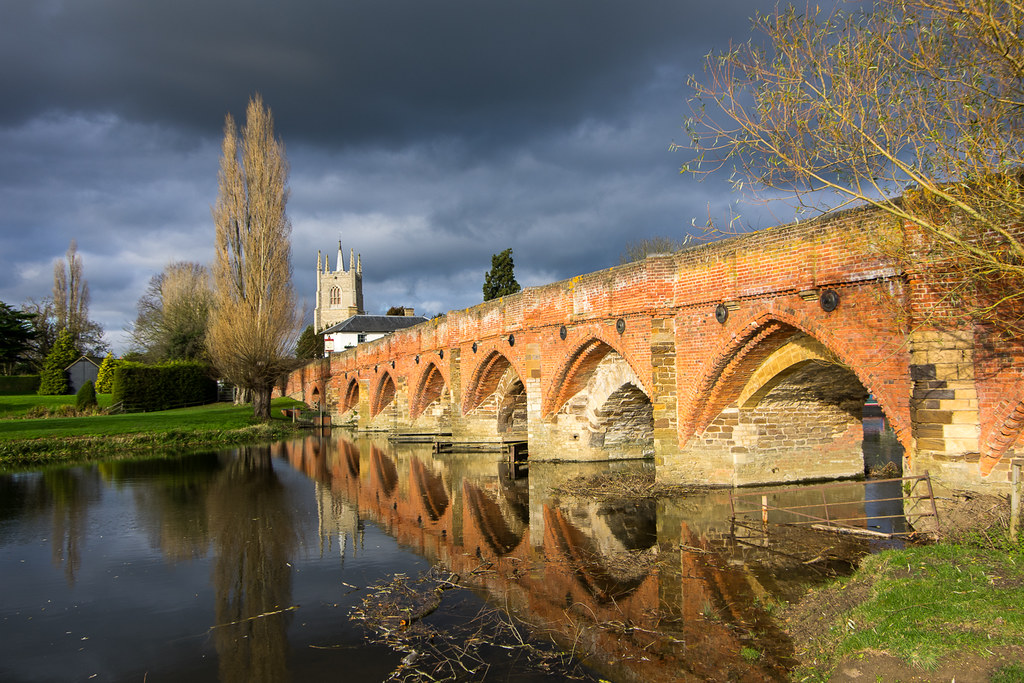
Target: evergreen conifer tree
16 336
310 345
53 380
105 377
501 279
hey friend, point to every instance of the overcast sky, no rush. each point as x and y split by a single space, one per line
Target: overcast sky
425 134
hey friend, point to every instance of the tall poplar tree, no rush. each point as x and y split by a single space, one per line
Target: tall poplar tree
253 320
70 309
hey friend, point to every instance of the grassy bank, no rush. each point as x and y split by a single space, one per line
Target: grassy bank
950 611
23 405
41 441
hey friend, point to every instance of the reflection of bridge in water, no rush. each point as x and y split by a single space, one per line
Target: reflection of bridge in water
609 575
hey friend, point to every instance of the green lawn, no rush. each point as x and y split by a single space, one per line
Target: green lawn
216 416
18 406
35 441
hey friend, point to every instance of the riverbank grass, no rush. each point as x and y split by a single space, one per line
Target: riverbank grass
24 404
947 604
29 442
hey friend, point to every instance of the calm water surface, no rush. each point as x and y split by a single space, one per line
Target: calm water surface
246 565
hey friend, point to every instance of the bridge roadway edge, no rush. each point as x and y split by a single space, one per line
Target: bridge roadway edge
954 399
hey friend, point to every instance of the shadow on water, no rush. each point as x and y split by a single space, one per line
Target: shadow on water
252 564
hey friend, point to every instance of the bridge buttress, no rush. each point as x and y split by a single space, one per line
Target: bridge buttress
664 392
455 390
534 391
944 405
364 403
399 408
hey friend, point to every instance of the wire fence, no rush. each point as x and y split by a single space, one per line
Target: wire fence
840 507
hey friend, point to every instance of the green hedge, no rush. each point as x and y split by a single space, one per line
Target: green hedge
19 385
143 388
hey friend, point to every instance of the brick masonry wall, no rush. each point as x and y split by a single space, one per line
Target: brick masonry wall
659 316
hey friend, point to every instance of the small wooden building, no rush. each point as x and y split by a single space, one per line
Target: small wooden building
81 371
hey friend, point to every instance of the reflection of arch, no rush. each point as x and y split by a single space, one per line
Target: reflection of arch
484 381
430 388
577 371
384 396
585 560
489 520
385 474
351 455
633 524
430 489
350 399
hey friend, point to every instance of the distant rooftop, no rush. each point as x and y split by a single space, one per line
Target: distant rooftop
375 323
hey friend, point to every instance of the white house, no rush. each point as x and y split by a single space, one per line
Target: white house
363 328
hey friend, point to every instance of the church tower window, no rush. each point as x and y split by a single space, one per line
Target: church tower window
335 296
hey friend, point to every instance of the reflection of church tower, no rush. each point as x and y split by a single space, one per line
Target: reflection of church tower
337 517
339 293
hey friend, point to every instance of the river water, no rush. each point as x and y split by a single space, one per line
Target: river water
279 562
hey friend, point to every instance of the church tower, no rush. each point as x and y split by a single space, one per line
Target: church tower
339 293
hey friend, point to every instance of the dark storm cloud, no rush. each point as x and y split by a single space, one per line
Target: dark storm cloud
426 134
346 70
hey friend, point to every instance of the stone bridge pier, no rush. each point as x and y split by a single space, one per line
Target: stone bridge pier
745 361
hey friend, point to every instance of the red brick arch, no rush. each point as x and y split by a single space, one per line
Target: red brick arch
486 375
315 393
430 386
1006 431
383 393
758 335
578 368
350 398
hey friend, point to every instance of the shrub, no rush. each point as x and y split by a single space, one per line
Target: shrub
105 378
38 411
19 385
53 381
85 399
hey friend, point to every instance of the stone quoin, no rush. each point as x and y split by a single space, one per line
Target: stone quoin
742 361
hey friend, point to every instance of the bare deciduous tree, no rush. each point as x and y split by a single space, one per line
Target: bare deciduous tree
173 313
71 303
913 106
253 321
640 249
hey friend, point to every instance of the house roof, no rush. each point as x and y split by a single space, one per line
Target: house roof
375 323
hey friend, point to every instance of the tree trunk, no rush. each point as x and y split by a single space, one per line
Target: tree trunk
261 402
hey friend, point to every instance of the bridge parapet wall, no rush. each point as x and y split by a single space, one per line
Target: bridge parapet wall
659 315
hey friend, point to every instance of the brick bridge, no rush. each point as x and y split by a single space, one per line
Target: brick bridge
743 361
